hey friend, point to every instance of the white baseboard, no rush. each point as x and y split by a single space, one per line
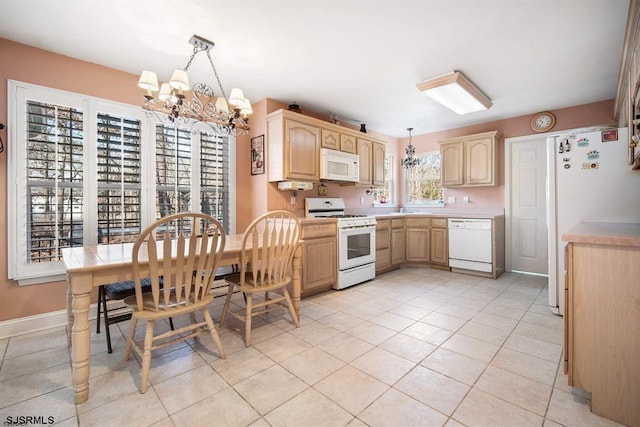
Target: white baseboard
40 322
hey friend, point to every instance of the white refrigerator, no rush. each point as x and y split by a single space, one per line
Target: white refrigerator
589 180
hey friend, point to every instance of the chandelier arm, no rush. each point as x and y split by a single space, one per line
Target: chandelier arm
224 95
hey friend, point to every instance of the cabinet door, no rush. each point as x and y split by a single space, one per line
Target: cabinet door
479 165
417 245
383 259
451 164
348 143
302 151
439 253
365 157
397 246
382 233
330 139
378 164
319 266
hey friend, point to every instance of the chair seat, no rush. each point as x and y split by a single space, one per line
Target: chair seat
250 286
121 290
174 308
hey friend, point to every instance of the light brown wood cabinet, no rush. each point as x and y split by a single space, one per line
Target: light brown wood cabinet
294 148
383 244
602 317
330 139
365 157
377 168
319 257
439 241
348 143
371 160
417 246
397 241
469 161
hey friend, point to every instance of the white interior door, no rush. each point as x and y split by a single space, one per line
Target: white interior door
526 179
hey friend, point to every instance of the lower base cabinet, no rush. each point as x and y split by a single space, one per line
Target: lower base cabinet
397 241
439 241
602 321
319 257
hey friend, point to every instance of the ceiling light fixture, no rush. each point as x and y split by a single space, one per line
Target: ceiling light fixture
456 92
224 115
410 161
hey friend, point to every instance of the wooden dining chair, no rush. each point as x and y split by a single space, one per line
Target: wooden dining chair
185 250
268 247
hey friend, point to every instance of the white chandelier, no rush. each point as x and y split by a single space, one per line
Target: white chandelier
223 115
410 161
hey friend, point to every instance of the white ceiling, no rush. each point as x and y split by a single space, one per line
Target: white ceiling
359 59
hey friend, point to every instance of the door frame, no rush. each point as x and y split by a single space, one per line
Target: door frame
508 177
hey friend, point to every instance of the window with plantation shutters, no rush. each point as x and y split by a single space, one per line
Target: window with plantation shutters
54 179
119 179
173 170
214 177
86 171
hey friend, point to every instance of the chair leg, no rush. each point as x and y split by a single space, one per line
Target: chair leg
146 356
106 321
266 299
247 321
130 337
223 317
292 311
214 333
100 296
171 323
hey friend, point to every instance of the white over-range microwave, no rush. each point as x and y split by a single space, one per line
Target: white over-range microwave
339 166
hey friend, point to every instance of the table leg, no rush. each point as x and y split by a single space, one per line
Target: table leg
297 282
69 313
80 338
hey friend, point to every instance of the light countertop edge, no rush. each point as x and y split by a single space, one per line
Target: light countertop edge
604 233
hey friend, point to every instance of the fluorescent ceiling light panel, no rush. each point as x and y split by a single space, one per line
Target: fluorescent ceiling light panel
456 92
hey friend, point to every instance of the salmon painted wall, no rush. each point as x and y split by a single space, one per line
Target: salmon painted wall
490 198
48 69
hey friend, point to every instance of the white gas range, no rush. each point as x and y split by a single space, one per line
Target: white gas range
356 240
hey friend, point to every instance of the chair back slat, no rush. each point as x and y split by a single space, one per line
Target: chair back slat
182 251
273 239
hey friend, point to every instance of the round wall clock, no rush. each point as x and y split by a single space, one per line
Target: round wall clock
543 122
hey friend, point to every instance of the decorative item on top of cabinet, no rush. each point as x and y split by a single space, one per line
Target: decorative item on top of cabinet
469 161
319 256
294 147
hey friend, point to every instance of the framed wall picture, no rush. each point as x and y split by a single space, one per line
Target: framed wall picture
257 155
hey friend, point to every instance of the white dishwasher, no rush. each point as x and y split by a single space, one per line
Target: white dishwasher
470 244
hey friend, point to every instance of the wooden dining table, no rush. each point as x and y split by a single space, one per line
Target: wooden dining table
92 266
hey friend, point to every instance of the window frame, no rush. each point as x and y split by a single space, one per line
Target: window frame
18 93
423 202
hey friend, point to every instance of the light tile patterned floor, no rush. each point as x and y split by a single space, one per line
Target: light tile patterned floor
413 347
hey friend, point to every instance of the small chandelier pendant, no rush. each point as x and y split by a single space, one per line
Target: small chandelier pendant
410 161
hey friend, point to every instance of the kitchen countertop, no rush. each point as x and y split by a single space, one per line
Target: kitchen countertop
476 215
604 233
305 220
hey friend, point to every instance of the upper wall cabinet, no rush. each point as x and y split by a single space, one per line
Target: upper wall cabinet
294 148
371 159
330 139
469 161
348 143
294 142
